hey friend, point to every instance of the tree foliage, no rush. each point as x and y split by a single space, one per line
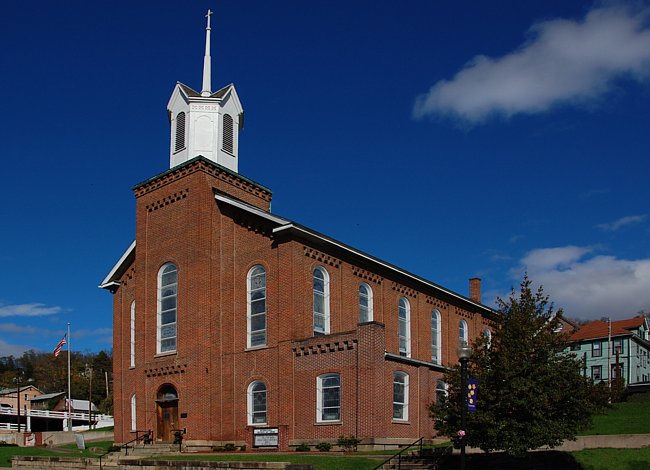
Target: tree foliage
50 374
530 392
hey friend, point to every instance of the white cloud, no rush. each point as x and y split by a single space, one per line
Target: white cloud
587 285
28 310
563 62
622 222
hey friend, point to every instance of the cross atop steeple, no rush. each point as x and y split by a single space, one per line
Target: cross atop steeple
207 70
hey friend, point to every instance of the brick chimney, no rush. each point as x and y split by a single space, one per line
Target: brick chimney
475 289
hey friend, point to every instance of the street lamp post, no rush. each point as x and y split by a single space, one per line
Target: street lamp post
464 352
18 380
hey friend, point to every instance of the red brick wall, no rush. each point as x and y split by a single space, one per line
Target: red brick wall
214 246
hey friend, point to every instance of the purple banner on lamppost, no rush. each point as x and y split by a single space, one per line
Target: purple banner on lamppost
472 387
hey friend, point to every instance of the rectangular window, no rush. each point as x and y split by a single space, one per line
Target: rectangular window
575 347
400 396
596 373
328 399
617 371
596 350
618 346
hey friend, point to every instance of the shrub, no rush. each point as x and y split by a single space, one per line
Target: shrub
114 448
324 446
218 449
243 448
303 448
348 443
230 447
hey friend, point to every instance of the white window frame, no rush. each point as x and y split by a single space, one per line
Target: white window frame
463 334
325 294
132 363
251 400
255 272
134 416
404 326
368 307
320 391
436 337
159 339
403 405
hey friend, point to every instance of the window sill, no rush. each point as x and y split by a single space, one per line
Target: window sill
257 425
167 353
257 348
328 423
400 421
131 367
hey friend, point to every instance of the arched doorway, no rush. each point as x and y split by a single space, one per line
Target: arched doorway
167 412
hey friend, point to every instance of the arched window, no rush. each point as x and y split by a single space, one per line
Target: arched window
132 334
228 134
179 143
321 301
365 303
167 291
328 397
436 337
487 335
257 403
400 396
134 426
404 314
462 332
256 318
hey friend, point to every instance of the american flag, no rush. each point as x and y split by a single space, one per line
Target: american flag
57 350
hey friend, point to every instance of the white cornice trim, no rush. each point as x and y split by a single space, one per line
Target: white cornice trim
108 281
251 209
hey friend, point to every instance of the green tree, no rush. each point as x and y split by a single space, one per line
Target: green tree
530 392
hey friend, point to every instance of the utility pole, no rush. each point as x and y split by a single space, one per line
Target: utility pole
89 374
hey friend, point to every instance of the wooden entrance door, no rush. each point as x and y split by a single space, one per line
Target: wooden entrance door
167 420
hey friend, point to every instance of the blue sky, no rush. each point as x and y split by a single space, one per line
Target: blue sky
453 139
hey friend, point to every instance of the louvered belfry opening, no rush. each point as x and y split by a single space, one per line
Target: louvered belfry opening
180 132
228 134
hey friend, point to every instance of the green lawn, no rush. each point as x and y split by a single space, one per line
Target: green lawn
623 418
6 452
606 459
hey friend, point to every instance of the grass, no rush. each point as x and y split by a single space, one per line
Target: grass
623 418
605 459
6 452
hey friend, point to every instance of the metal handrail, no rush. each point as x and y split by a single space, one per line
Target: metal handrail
399 454
145 437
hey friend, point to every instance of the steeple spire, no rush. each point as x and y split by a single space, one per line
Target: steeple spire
207 70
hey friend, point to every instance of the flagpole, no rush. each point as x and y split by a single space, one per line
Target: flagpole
69 396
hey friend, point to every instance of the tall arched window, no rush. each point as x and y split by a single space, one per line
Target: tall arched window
462 332
257 403
436 337
132 334
328 397
256 318
404 329
400 396
321 301
365 303
167 291
134 426
228 134
487 335
179 143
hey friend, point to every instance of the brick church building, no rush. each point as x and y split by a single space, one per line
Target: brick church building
239 326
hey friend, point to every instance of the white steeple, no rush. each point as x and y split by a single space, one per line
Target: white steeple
205 123
207 69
